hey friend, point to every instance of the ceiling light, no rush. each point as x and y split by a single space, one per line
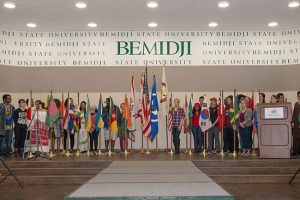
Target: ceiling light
152 24
81 5
152 4
273 24
294 4
9 4
31 25
213 24
223 4
92 25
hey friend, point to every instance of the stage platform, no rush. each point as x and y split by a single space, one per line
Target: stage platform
150 180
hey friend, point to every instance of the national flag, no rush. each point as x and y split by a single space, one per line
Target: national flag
66 116
235 110
164 91
140 108
186 121
220 112
191 108
126 113
88 116
154 111
99 120
255 122
132 109
47 102
52 113
170 117
146 108
61 108
113 118
205 122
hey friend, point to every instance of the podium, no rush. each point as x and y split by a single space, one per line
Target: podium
274 129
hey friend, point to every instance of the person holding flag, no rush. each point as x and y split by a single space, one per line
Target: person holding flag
82 119
123 132
177 123
112 120
228 129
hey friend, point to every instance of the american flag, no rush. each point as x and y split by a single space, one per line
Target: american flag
170 117
146 107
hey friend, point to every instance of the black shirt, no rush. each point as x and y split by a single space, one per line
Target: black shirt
213 112
20 118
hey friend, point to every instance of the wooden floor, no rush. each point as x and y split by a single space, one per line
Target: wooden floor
245 177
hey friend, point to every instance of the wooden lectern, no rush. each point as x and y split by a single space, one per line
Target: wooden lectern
274 129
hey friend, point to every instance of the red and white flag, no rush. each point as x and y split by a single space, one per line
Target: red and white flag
146 108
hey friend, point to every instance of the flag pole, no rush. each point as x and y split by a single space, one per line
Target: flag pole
78 152
253 133
142 148
99 134
190 151
51 154
234 130
62 114
222 123
167 149
68 135
31 105
126 115
185 123
148 151
88 140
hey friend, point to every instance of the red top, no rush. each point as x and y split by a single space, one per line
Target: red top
242 117
195 119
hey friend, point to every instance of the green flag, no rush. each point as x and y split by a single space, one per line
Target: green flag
52 113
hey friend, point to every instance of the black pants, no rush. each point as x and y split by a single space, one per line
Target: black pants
94 140
176 140
20 135
229 140
71 139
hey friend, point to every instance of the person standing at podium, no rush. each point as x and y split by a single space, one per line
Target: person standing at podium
296 126
245 128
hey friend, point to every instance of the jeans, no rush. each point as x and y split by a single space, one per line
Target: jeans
176 139
213 135
246 137
8 141
2 141
71 139
198 141
94 140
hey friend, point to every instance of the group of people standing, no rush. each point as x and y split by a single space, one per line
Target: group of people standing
16 121
243 121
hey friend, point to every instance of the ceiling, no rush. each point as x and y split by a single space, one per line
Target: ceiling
62 15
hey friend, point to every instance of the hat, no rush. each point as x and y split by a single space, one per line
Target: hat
213 99
197 104
93 108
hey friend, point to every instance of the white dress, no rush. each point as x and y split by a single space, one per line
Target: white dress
83 135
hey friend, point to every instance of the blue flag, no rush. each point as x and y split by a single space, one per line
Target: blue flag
154 111
98 122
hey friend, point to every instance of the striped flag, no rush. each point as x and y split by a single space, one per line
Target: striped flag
132 109
154 111
88 116
113 118
146 108
140 107
99 120
164 91
170 117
